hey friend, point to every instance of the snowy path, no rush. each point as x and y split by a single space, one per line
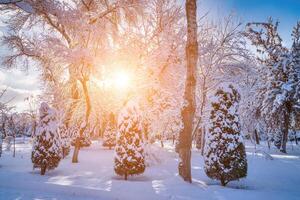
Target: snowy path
94 178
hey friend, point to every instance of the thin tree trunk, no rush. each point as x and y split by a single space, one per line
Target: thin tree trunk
256 137
161 143
269 146
87 115
173 139
14 154
286 122
200 135
203 140
185 136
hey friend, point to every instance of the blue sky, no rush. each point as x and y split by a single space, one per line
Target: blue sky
21 85
286 11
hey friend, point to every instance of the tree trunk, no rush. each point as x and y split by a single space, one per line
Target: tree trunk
185 136
286 124
201 134
43 170
14 154
223 183
173 139
256 137
76 150
203 140
125 176
161 143
87 115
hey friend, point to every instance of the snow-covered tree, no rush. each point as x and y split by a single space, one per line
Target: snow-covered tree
109 137
223 55
225 156
278 93
46 152
65 140
129 150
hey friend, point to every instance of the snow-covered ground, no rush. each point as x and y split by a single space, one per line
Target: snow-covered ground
94 178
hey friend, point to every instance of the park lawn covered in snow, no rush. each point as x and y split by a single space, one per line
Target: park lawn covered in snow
94 178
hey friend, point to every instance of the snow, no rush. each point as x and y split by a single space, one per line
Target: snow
93 177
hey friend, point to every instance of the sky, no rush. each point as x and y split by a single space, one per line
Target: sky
286 11
23 84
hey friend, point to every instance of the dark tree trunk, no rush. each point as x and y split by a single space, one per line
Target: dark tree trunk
268 141
223 182
185 136
43 170
14 154
125 176
256 136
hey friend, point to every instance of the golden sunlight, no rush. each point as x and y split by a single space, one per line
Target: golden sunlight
121 80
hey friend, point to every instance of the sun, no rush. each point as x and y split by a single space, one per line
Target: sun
121 80
118 81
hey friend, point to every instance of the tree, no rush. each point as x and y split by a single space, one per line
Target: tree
129 156
109 137
278 95
185 136
65 140
74 34
225 156
223 55
46 152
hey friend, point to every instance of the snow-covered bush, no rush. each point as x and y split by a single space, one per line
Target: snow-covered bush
46 152
109 137
129 150
225 156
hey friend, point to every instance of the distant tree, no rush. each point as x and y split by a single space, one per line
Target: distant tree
46 152
109 137
225 156
129 159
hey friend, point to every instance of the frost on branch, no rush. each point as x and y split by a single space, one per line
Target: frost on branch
129 150
46 152
225 156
